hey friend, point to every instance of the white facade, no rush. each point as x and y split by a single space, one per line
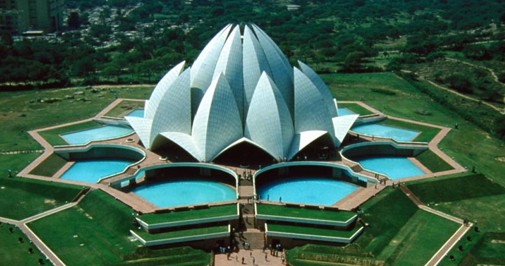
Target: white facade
241 88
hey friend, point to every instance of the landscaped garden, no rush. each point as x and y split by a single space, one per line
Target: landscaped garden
97 232
390 215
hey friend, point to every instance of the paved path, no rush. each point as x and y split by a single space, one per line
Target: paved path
449 244
258 256
23 226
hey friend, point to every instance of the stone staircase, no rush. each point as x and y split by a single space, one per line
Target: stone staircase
251 239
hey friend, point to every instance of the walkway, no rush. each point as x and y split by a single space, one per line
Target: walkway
255 255
449 244
23 226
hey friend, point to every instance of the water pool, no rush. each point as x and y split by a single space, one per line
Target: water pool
345 111
136 113
182 192
307 190
99 133
393 167
92 170
379 130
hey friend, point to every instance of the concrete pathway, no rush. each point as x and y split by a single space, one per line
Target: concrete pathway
251 257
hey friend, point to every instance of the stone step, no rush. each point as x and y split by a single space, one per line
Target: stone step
251 239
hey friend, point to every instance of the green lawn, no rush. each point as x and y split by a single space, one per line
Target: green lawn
96 232
478 249
419 239
304 213
431 161
456 188
49 166
16 252
305 230
198 231
21 111
386 214
22 197
125 107
54 138
192 214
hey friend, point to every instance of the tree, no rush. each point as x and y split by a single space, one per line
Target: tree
353 62
74 22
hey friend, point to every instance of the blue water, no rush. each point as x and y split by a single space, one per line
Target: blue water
92 170
345 111
136 113
393 167
379 130
308 190
185 192
99 133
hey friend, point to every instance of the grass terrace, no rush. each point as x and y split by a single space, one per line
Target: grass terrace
190 214
398 233
49 166
302 213
418 240
53 136
431 161
21 198
455 188
17 249
96 231
183 233
125 107
289 230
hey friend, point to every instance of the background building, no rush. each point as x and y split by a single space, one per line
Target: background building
18 16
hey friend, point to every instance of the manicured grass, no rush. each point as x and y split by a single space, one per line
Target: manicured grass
96 232
191 214
385 217
16 252
386 214
125 107
22 111
455 188
53 136
15 163
306 230
298 212
480 249
426 133
93 232
49 166
22 197
201 231
431 161
356 108
419 239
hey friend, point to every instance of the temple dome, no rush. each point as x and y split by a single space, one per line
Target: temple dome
241 88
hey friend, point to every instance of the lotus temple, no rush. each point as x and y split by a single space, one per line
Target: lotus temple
239 148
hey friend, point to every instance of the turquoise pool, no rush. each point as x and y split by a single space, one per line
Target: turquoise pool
136 113
94 134
345 111
393 167
307 190
379 130
93 170
182 192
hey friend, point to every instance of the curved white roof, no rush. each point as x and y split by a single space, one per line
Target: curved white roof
241 89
